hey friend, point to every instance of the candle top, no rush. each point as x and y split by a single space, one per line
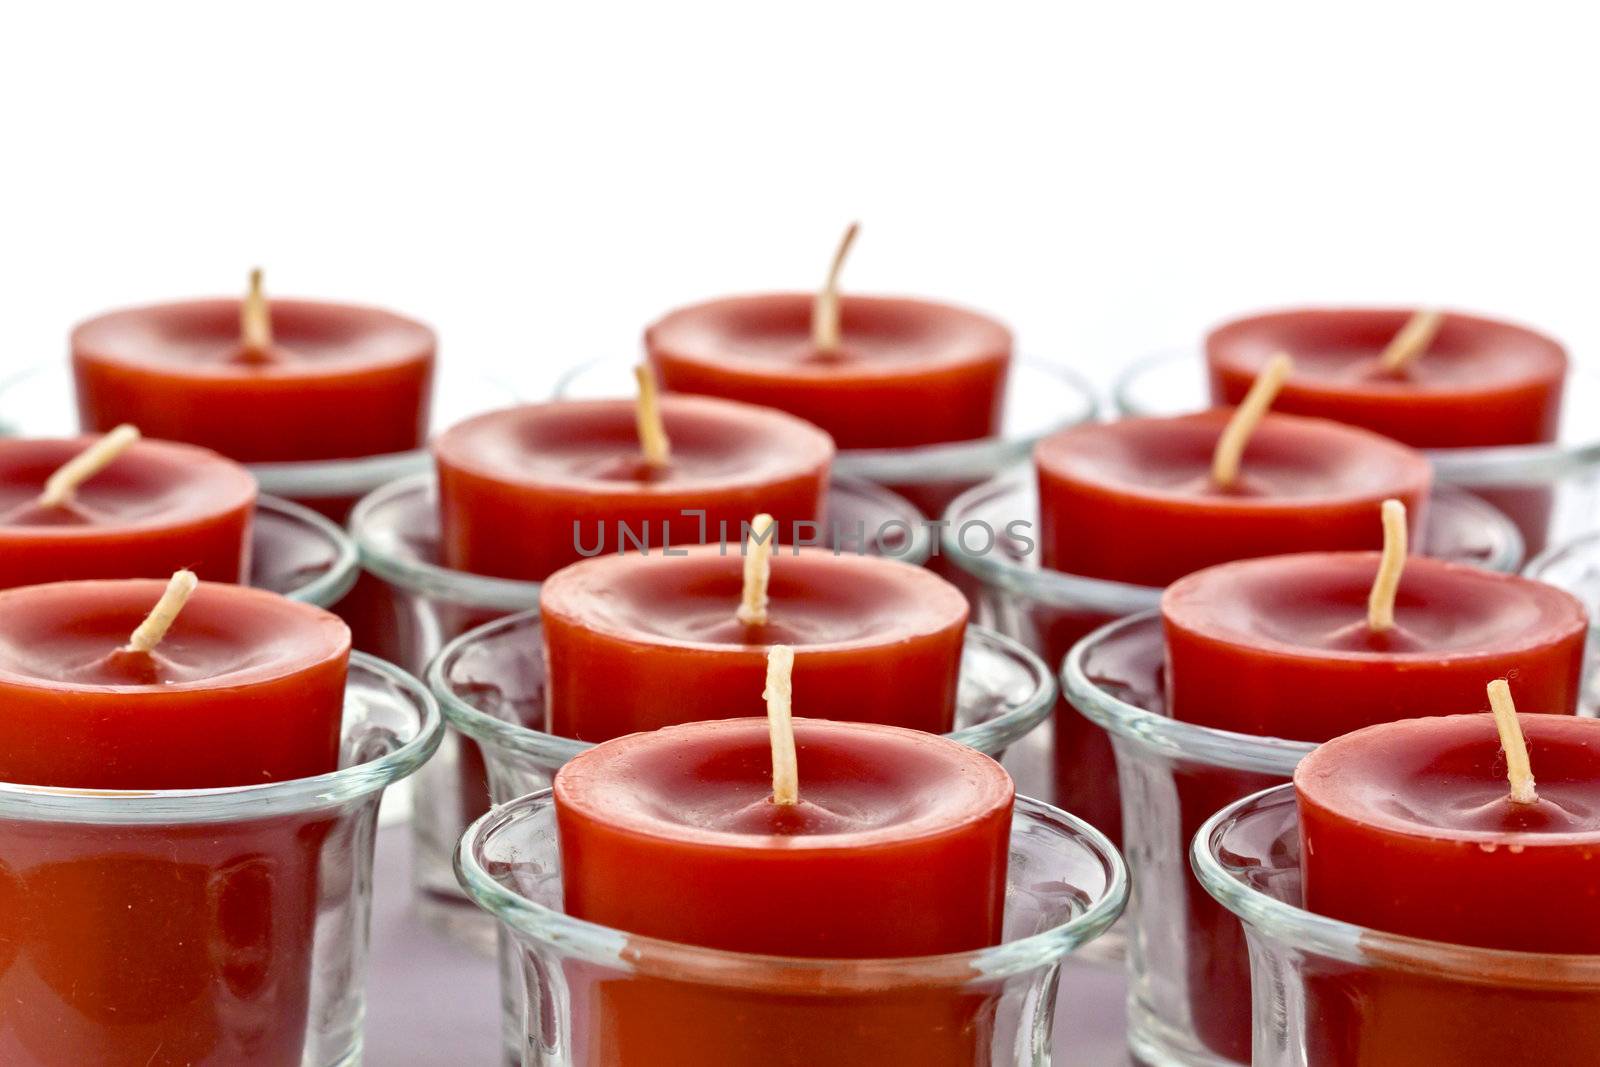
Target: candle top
592 446
882 335
818 599
1340 348
1444 779
709 784
1290 462
151 484
201 338
1314 605
72 635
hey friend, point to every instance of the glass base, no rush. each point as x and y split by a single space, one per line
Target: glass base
1153 1043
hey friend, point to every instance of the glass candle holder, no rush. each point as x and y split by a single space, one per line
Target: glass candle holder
40 402
1188 973
1041 397
1331 993
409 605
210 926
300 554
1551 491
1575 566
490 683
580 995
988 533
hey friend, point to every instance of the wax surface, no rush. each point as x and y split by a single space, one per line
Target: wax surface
1481 382
1133 501
246 687
156 508
898 847
339 382
638 642
1280 646
525 491
907 372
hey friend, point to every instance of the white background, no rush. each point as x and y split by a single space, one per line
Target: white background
540 181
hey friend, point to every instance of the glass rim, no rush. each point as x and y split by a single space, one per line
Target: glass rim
124 807
329 588
923 464
671 959
1349 943
1062 589
1509 465
435 580
1162 734
548 750
316 478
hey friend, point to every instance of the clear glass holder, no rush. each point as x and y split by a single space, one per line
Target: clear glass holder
1041 398
576 994
1050 611
212 927
1331 994
1188 975
1575 566
1552 490
300 553
409 606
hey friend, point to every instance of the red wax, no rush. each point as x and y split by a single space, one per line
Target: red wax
638 642
157 508
907 372
1481 382
246 687
1408 828
339 382
1280 647
1133 501
151 944
897 848
524 492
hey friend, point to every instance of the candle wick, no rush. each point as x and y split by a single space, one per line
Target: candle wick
1515 745
156 624
647 412
255 319
757 571
1380 602
60 487
1412 340
825 327
779 695
1246 417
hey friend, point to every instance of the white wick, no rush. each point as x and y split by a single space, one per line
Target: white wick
757 572
647 413
1247 416
825 329
779 695
1412 340
60 486
255 318
1380 602
156 624
1515 745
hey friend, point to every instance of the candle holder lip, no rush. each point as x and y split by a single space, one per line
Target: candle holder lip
1156 732
392 526
1025 705
404 743
1573 565
1234 874
329 585
1097 908
1482 534
1181 371
1048 386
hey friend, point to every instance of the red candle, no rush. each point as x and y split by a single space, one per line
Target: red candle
642 641
154 508
1287 647
162 944
524 492
875 372
1475 382
849 840
295 381
1135 501
1410 828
